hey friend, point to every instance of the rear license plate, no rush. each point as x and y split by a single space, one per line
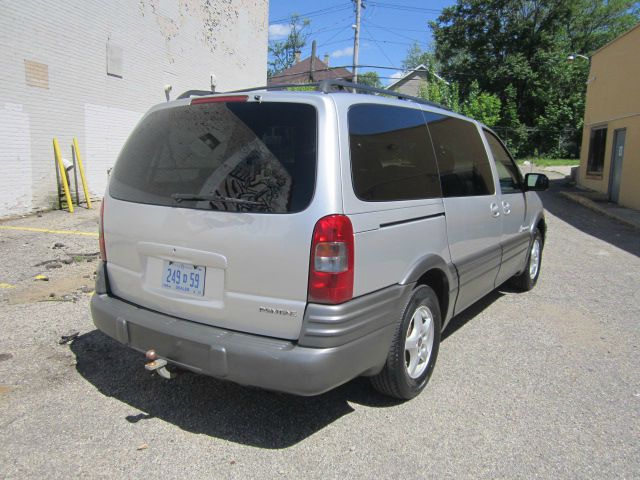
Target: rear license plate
184 278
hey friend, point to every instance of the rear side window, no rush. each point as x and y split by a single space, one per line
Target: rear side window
391 155
235 156
462 160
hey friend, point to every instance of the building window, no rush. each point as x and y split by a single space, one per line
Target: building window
597 143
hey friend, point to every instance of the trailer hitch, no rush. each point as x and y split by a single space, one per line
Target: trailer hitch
158 365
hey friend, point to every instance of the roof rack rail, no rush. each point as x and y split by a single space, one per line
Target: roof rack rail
278 86
324 86
199 93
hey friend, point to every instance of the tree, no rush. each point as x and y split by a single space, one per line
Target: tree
416 56
482 106
446 94
282 53
520 47
510 128
370 78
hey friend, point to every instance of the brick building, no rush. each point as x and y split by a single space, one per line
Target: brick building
91 69
302 71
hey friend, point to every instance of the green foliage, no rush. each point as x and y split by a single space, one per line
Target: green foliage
302 89
282 53
551 162
482 106
416 56
370 78
517 50
439 92
513 132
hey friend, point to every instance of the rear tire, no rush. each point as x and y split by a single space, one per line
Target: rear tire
414 348
526 280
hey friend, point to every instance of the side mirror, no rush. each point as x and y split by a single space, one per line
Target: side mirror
536 182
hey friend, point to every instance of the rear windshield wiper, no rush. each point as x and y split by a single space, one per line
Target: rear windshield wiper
178 197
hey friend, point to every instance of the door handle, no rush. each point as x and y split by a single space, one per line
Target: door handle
506 208
495 211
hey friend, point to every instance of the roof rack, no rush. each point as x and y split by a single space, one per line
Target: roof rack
325 86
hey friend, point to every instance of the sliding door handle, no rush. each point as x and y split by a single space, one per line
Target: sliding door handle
495 211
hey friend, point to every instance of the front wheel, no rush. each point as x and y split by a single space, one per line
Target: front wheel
414 348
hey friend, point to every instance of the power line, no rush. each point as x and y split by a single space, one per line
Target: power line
397 28
315 13
405 8
391 42
378 45
328 40
328 29
334 42
373 25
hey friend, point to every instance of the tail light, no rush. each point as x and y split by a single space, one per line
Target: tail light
331 264
103 250
226 98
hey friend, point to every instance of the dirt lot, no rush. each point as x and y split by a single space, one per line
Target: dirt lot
543 384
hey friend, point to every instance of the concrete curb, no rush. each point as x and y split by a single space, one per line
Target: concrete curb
590 204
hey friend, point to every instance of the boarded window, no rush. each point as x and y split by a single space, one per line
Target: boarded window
114 60
597 144
36 74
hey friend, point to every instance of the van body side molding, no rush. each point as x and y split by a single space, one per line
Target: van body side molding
409 220
327 326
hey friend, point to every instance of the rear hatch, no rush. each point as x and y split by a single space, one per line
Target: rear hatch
205 219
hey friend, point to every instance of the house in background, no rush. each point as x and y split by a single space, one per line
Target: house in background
91 70
610 154
300 72
410 82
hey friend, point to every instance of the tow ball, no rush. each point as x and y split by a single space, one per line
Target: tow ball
158 365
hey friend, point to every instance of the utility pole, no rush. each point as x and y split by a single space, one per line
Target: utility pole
356 41
312 62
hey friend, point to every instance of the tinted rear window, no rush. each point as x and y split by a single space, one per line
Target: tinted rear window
391 154
260 153
462 159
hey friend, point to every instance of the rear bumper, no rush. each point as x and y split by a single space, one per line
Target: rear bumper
255 360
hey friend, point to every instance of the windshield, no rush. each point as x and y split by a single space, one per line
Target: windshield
236 156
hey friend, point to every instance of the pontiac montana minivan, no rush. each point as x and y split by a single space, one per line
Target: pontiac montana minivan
295 240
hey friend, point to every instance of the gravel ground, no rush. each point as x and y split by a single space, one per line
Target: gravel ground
542 384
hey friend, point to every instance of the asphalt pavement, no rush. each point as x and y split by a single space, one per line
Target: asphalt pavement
544 384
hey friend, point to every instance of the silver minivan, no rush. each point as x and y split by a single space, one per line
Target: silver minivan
295 240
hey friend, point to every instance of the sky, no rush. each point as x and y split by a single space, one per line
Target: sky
388 29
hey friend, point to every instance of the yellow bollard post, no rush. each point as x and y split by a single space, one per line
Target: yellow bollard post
63 174
85 187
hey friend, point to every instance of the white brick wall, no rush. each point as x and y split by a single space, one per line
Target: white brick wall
178 42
